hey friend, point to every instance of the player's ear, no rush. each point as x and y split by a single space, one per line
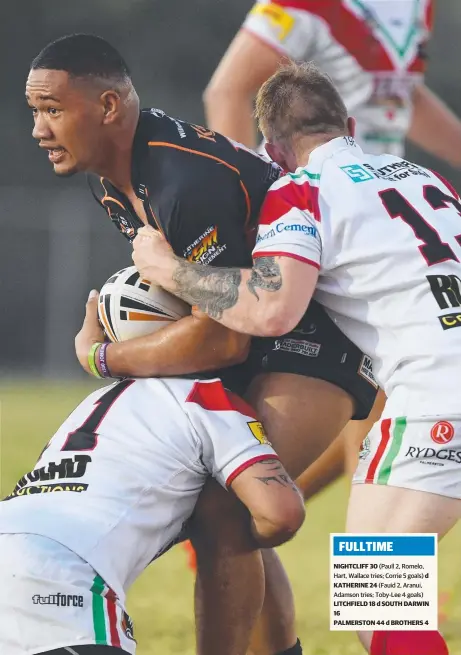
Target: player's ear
110 101
270 149
280 156
351 125
276 154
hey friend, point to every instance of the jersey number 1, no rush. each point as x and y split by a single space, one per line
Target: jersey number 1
85 437
433 249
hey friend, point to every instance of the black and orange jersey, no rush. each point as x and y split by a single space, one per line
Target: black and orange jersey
202 190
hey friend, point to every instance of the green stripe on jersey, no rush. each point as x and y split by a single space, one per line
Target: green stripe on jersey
400 425
99 619
311 176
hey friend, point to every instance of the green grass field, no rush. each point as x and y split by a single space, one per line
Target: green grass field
161 601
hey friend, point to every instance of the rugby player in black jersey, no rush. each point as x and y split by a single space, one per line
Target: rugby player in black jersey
204 193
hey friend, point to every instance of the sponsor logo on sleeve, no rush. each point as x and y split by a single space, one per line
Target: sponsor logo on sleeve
278 18
258 432
279 228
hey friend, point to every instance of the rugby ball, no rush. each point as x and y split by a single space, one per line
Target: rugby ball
131 307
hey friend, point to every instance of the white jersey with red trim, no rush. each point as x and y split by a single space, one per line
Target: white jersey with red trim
122 474
373 50
386 237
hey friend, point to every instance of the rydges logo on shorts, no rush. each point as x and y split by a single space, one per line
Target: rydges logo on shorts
433 456
442 432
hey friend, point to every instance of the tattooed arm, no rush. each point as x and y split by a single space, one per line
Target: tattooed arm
266 300
275 503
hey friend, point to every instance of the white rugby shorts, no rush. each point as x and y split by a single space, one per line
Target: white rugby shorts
422 453
50 599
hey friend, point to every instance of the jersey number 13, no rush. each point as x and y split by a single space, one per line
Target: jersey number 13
433 249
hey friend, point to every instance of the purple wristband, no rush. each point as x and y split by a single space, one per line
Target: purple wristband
104 369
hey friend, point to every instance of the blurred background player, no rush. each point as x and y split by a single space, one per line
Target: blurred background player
375 53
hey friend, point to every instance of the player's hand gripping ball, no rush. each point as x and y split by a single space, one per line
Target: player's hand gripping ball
91 331
152 254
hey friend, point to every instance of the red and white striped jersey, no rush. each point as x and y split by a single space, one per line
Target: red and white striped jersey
373 50
385 235
122 474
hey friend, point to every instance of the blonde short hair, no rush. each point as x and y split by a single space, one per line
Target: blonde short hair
299 100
